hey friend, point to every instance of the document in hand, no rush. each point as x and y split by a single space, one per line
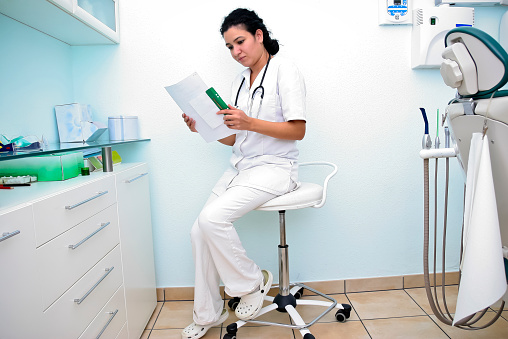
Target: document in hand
191 96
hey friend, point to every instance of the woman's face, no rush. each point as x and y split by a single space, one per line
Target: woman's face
245 48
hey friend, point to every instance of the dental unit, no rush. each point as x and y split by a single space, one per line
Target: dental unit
477 135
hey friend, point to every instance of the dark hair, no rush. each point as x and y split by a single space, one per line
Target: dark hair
251 22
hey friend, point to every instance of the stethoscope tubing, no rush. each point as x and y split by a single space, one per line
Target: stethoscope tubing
260 87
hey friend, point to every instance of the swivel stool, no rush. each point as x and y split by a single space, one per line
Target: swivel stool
307 195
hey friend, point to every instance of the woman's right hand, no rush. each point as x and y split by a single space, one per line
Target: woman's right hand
191 123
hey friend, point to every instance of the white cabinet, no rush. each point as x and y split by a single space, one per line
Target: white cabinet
17 275
76 22
75 252
70 314
110 321
82 262
137 251
55 215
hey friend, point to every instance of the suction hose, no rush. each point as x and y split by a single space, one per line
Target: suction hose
466 323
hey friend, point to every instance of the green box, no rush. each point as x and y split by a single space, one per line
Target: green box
51 167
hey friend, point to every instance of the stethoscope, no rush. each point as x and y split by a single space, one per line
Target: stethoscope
260 87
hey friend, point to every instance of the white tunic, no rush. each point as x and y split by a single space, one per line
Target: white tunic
260 161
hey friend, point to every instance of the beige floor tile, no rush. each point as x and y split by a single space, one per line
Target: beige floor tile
326 287
347 330
213 333
497 330
174 314
404 328
384 304
420 296
497 305
155 314
264 332
374 284
308 313
417 280
178 293
160 294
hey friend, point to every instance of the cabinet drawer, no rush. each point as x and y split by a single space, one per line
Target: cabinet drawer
17 275
65 259
56 214
69 316
110 320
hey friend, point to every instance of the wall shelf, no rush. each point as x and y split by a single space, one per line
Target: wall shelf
66 147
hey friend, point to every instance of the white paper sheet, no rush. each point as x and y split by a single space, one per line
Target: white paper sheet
207 110
483 280
189 94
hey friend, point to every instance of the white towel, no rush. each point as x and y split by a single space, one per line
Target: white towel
483 280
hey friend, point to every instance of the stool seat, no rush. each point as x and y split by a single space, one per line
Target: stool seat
307 195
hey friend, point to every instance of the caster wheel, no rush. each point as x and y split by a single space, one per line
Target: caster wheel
340 316
299 293
308 336
231 331
233 303
343 314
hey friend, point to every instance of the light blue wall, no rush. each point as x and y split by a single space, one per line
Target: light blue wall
363 101
35 75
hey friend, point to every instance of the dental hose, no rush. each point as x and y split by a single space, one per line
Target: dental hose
447 318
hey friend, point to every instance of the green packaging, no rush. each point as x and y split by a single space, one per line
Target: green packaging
216 98
51 167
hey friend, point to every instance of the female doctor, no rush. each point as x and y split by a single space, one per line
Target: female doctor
268 116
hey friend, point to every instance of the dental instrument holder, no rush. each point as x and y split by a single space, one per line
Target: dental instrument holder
426 141
427 151
447 137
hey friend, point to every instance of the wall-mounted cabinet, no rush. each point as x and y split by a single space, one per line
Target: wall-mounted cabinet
75 22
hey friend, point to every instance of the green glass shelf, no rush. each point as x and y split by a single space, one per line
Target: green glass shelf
66 147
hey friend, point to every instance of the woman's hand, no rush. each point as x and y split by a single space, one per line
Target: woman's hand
191 123
235 118
289 130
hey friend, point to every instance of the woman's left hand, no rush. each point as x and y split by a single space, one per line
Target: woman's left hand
235 118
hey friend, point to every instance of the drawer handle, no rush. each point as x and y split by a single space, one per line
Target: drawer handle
108 271
113 314
70 207
136 178
8 235
103 225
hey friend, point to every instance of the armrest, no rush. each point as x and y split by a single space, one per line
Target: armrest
328 177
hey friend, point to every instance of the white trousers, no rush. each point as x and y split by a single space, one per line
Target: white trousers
219 254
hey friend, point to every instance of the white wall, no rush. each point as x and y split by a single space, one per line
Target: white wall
363 100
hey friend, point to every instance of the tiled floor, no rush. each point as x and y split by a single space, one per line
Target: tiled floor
403 313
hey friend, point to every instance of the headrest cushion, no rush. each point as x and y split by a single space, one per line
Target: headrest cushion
490 58
459 70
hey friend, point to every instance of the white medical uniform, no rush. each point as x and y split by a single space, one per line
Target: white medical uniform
261 168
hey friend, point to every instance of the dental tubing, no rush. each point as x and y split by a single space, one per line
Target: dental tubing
447 318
